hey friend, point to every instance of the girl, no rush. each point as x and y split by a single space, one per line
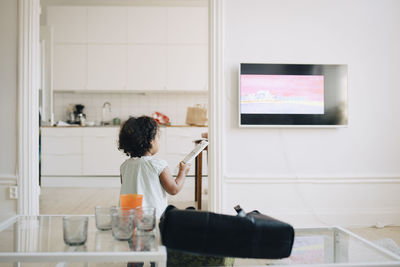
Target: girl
142 173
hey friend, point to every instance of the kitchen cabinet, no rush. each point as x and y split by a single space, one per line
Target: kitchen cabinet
80 151
187 25
147 66
187 67
69 22
107 67
138 48
107 25
85 151
147 25
100 154
177 142
61 151
70 67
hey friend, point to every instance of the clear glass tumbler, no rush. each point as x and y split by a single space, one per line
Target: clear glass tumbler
123 223
103 218
75 230
145 219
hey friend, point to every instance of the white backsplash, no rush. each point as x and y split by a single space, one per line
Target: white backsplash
123 105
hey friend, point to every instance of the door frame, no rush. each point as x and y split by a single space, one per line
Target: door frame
216 106
28 105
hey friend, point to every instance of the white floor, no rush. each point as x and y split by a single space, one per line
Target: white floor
73 200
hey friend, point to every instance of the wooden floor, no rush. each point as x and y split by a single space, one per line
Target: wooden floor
83 201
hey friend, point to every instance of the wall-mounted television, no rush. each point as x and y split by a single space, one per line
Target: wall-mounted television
302 95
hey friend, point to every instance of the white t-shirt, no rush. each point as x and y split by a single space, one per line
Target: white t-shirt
142 176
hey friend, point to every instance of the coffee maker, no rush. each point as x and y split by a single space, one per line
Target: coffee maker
77 116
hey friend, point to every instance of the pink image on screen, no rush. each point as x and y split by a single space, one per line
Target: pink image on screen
282 94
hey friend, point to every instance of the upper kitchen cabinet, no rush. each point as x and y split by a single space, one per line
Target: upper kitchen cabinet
107 67
147 65
147 25
70 69
187 67
187 25
69 22
137 48
107 25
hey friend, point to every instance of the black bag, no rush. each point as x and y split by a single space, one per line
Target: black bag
251 235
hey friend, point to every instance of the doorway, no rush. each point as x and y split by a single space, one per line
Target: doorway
73 95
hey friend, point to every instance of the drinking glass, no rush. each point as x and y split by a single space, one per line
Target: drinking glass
145 219
122 223
103 218
75 230
145 241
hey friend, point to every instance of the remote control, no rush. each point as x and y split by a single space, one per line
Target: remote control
189 157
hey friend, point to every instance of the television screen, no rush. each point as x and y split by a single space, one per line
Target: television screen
292 94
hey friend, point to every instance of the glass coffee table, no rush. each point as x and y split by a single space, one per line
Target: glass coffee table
330 246
30 240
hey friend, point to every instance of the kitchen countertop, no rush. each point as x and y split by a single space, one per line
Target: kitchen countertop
114 126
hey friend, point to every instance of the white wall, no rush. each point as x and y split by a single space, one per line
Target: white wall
347 176
123 105
8 104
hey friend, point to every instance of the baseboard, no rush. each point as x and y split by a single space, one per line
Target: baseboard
312 180
6 221
355 218
8 179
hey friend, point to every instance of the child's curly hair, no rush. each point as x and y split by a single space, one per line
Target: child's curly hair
136 135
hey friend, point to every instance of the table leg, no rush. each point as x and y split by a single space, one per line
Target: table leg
161 263
195 178
199 175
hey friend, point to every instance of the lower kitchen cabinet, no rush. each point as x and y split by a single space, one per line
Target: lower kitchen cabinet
176 143
100 154
81 151
61 164
61 151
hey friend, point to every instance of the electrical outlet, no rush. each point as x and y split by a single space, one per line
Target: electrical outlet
13 192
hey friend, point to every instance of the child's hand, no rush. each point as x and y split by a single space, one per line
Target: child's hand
184 168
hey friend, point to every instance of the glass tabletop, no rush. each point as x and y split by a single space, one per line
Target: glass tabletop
35 238
331 246
42 236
